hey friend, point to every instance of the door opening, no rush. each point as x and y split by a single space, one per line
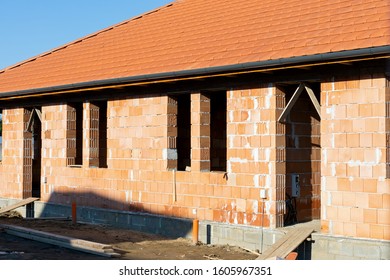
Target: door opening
303 152
34 126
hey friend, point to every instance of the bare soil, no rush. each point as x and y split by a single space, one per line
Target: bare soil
135 245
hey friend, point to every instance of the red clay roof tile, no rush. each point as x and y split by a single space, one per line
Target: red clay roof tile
192 34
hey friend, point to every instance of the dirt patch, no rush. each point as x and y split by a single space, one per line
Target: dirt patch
136 245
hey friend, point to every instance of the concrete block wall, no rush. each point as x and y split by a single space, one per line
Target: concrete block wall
354 139
248 237
325 247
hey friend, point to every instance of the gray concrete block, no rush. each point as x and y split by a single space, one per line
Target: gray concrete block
138 221
385 252
367 251
321 255
235 234
320 244
252 236
343 257
341 248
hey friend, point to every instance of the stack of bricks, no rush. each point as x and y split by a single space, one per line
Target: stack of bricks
354 132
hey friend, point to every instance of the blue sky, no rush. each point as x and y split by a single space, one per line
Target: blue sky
31 27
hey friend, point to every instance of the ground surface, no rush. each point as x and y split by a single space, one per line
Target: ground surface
130 244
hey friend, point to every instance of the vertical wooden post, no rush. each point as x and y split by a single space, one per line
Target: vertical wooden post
74 213
195 231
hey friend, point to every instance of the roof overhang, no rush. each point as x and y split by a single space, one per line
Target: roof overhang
193 74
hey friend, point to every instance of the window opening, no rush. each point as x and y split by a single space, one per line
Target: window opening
218 136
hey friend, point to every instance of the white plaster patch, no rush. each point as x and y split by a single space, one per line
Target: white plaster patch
333 168
249 116
329 199
255 103
140 197
231 92
331 111
333 84
229 167
239 160
231 116
255 154
323 183
170 154
255 206
378 154
268 207
268 154
231 141
268 180
131 175
355 163
325 155
256 180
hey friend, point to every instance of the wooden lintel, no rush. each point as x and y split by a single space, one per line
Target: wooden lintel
291 103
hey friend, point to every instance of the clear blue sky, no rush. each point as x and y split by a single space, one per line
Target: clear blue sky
31 27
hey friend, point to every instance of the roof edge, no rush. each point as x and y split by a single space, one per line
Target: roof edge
316 58
86 37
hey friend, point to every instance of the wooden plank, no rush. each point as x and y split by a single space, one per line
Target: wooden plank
288 243
291 103
18 204
314 100
62 241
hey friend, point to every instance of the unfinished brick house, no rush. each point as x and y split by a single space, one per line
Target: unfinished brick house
217 111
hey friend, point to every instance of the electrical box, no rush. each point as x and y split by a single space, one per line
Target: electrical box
295 185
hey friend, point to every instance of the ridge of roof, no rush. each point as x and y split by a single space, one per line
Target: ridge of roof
87 37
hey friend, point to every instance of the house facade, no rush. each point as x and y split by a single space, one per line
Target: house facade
223 120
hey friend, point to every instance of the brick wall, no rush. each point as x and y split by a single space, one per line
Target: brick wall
142 156
12 162
355 187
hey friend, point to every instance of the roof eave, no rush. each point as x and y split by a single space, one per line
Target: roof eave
316 58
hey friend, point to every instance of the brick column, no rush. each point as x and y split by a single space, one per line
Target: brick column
354 188
200 132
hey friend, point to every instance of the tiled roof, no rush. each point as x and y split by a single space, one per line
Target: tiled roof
195 34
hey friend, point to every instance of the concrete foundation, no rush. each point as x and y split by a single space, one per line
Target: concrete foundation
326 247
322 246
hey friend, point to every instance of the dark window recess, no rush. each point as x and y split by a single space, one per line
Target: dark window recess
183 141
79 134
218 124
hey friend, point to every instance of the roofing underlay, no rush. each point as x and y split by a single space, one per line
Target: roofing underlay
187 35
